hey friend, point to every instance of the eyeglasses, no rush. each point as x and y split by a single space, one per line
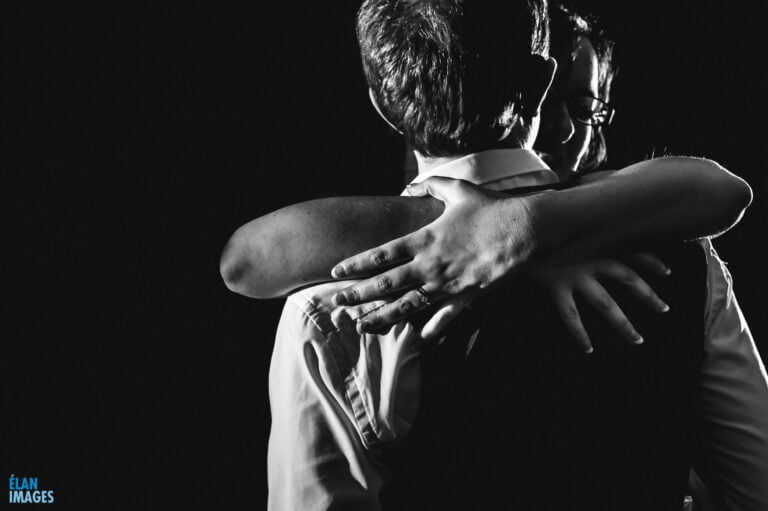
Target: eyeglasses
590 111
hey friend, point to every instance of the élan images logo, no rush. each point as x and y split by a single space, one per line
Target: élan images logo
26 490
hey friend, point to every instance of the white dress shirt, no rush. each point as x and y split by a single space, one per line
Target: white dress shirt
336 395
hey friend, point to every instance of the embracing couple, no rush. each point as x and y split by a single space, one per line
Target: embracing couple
524 344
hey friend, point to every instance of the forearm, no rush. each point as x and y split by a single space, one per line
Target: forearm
657 200
662 199
299 244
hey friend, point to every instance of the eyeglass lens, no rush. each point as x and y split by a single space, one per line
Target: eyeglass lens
589 110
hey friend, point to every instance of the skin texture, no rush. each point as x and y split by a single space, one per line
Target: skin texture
662 199
454 259
270 256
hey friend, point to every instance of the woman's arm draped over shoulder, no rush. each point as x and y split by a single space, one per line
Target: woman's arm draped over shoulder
298 245
665 198
482 238
671 198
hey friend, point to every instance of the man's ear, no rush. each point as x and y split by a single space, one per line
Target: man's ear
539 80
378 110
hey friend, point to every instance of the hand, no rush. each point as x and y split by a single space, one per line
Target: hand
480 238
565 281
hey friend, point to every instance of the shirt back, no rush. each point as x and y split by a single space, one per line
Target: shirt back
514 416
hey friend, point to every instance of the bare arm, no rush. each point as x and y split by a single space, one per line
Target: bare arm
665 199
483 238
677 198
298 245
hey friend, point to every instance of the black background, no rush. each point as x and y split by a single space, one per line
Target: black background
136 138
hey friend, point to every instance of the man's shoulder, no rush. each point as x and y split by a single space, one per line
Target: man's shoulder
720 293
312 308
319 296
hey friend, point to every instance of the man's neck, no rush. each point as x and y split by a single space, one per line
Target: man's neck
427 163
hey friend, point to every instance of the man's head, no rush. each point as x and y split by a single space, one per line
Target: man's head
456 77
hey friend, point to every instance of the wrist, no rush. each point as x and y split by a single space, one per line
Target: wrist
557 219
522 235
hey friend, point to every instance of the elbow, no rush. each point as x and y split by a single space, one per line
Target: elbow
743 195
237 270
736 194
232 275
733 194
233 269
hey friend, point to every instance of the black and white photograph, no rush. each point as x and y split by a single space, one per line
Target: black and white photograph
384 255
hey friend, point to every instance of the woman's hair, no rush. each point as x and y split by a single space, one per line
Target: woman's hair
566 26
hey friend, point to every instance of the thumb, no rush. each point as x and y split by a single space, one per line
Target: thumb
444 189
447 311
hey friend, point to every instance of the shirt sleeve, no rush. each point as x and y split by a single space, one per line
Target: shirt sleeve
733 399
315 458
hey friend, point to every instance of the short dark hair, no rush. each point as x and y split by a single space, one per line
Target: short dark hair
567 26
446 73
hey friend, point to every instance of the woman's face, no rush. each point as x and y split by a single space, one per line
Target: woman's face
563 141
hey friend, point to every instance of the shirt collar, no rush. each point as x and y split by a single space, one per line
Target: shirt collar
490 166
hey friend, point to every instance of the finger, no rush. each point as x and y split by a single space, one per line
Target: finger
392 252
569 314
342 320
445 313
378 287
636 285
442 188
599 298
383 317
651 262
358 311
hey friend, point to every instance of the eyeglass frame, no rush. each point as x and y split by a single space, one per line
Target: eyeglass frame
611 111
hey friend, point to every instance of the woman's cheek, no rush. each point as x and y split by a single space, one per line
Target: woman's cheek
578 146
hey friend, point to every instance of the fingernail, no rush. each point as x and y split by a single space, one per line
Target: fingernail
638 340
667 271
664 307
413 188
337 272
340 299
589 351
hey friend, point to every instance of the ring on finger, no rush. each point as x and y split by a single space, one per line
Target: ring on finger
425 299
